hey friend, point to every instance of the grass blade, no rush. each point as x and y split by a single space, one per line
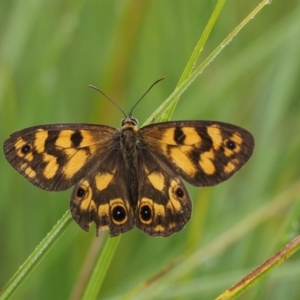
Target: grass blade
36 256
94 285
265 268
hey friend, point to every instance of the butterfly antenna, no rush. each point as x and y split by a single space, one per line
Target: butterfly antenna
97 89
152 85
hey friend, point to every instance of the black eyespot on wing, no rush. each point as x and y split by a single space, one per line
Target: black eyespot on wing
80 192
26 149
119 213
179 192
230 144
145 213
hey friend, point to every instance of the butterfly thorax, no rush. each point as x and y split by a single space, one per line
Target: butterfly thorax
128 136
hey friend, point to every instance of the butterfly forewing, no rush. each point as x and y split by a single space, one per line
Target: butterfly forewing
55 157
203 153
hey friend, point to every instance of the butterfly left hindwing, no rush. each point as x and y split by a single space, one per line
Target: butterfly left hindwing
129 177
102 196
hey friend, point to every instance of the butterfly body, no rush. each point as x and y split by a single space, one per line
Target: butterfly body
129 177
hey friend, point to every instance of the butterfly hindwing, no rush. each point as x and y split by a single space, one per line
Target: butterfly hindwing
55 157
203 153
103 197
164 205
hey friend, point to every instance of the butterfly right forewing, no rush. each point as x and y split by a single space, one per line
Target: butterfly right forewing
203 153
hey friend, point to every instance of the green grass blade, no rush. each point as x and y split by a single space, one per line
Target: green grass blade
167 108
94 285
36 256
195 55
201 43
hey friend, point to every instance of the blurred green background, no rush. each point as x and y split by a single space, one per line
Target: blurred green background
51 50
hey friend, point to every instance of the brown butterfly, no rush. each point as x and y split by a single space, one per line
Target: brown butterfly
129 177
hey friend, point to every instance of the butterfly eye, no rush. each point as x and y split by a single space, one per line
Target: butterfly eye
119 213
230 144
80 192
146 213
134 121
26 149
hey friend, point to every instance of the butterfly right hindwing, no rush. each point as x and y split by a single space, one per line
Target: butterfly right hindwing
164 205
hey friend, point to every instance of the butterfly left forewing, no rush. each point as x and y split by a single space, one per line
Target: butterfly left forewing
164 205
55 157
204 153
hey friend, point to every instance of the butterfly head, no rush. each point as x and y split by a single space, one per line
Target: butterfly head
129 122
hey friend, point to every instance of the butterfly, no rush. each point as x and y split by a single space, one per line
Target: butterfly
129 177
